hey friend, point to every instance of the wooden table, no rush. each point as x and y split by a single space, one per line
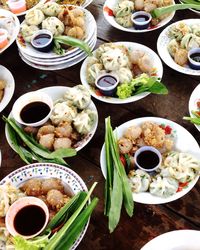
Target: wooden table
148 221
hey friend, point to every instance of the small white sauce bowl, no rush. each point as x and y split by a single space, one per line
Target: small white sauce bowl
193 64
22 101
141 25
147 148
17 206
109 90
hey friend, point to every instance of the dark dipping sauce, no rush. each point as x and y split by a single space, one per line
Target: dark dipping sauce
29 220
141 18
41 40
106 81
34 112
195 57
148 159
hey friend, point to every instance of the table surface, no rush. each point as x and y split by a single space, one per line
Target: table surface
148 221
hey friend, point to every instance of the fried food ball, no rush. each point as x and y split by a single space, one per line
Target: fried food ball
47 141
52 183
32 187
1 94
77 12
64 129
44 130
62 143
139 4
31 130
132 133
145 63
181 57
78 21
75 32
2 84
55 199
125 145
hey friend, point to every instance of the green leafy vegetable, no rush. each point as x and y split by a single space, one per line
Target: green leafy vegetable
68 40
168 9
141 84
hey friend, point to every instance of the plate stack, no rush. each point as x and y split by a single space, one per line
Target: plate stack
52 61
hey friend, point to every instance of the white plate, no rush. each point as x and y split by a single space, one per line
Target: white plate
57 93
84 5
111 4
114 100
162 43
181 136
175 240
59 61
15 26
193 10
195 96
6 75
70 179
26 47
59 66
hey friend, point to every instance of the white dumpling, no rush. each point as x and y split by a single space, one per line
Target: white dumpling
34 17
79 96
124 21
172 47
139 180
190 41
114 58
163 186
84 121
124 74
63 112
28 31
196 29
51 9
93 71
178 31
124 8
54 25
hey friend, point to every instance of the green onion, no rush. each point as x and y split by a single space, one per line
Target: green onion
193 120
56 239
168 9
71 41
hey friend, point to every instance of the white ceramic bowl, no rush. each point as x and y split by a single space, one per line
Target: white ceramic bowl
20 204
6 76
27 98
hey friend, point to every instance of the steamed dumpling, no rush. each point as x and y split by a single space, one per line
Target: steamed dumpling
124 8
124 21
93 71
34 17
196 29
139 180
28 31
190 41
124 74
163 186
178 31
51 9
84 121
54 25
172 47
63 112
79 96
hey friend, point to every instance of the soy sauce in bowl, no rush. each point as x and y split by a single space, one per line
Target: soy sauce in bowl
34 112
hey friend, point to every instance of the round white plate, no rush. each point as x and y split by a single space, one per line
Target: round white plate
26 47
195 96
84 5
162 43
175 240
114 100
57 93
58 66
6 75
111 4
12 25
193 10
59 61
70 180
181 136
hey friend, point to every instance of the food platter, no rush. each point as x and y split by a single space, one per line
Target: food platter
193 10
71 181
10 22
108 8
180 136
84 4
195 96
179 240
6 75
162 47
56 93
130 46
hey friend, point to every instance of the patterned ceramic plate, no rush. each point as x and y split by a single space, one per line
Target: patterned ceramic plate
71 181
180 136
162 43
157 64
194 98
175 240
57 93
109 16
11 23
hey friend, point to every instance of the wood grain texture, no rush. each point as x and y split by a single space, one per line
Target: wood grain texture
148 221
